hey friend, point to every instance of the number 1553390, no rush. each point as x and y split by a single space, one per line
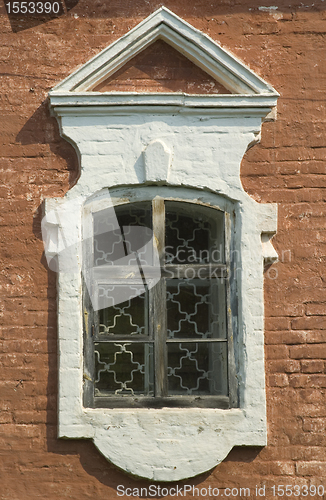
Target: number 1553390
33 7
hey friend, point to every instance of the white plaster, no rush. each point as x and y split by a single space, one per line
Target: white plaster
269 252
157 158
271 7
128 140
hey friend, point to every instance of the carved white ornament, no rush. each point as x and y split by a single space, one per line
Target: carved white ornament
157 157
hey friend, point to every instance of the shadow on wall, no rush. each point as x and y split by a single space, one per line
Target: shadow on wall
33 12
137 9
109 475
41 128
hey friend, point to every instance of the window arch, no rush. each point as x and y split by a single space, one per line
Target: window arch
158 308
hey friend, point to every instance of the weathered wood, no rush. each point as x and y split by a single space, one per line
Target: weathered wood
88 350
129 339
192 340
221 402
231 310
88 313
158 216
159 330
158 295
156 319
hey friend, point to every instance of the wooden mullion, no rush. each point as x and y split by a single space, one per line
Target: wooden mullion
194 341
141 339
107 272
160 351
158 215
158 302
88 350
88 314
231 313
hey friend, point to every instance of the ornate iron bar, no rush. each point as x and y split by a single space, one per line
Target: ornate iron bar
172 340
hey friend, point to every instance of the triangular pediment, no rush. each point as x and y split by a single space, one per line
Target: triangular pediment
161 68
208 58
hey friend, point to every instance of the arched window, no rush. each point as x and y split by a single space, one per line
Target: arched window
158 328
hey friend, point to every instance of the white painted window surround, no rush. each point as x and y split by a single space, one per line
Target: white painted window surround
185 147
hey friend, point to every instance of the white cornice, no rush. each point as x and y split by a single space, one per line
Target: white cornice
74 103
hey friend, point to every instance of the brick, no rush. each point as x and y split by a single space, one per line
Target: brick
312 366
309 323
286 366
316 337
30 417
28 318
278 380
276 468
287 337
292 154
304 212
276 352
312 396
282 468
6 417
32 332
12 347
286 309
314 424
311 468
316 309
305 380
305 453
308 439
275 324
310 410
312 351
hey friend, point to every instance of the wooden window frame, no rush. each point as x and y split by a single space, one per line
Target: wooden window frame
158 320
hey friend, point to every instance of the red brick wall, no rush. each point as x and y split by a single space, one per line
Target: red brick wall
286 46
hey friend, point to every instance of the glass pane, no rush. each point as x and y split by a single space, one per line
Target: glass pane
193 234
124 369
120 231
124 317
196 309
197 368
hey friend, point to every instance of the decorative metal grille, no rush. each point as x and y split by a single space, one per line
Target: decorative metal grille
195 309
197 368
124 369
170 340
191 237
123 318
121 234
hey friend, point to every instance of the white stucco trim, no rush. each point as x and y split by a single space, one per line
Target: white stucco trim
169 444
97 102
182 147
